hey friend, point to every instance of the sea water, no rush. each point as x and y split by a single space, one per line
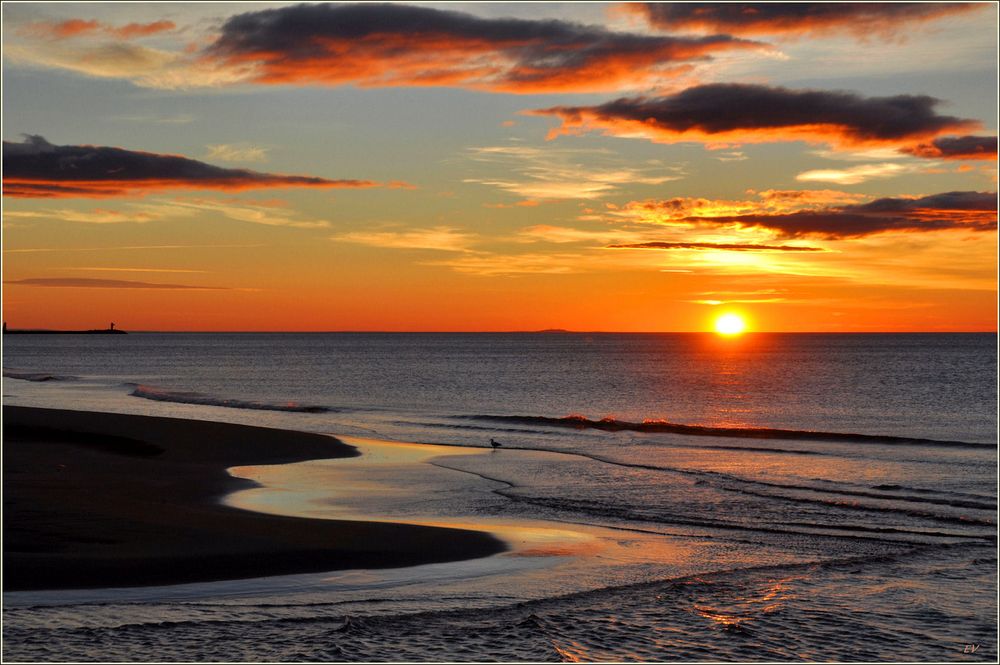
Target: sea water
681 497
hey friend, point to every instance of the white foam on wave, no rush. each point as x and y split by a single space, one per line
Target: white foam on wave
185 397
35 376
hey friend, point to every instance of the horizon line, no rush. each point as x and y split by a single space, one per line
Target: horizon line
546 331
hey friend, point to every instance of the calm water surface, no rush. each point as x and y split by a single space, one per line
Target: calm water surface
874 539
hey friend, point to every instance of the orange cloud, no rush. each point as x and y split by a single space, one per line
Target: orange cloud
398 45
39 169
808 197
862 19
135 30
742 113
62 29
768 202
526 203
78 27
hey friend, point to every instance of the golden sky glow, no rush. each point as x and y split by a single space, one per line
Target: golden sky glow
508 167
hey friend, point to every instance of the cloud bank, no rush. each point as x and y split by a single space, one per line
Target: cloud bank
956 147
725 246
372 45
971 211
36 168
796 18
736 113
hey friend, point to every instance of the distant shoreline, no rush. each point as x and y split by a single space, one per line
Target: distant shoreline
64 332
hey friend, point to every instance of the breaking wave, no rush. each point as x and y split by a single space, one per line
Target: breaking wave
35 376
611 424
183 397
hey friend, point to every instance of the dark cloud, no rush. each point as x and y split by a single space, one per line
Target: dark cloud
974 211
733 247
956 147
398 45
82 282
39 169
955 202
739 18
745 113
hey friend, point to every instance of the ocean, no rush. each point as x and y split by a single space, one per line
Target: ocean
667 497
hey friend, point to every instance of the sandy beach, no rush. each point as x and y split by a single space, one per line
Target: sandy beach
96 500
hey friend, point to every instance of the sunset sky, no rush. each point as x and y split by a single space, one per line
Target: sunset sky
492 167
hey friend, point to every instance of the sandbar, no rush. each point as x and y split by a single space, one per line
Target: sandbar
93 500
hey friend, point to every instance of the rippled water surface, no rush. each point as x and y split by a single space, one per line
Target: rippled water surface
666 497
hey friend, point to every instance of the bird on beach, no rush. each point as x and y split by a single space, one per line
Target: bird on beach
495 444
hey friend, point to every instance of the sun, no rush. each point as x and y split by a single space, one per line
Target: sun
730 324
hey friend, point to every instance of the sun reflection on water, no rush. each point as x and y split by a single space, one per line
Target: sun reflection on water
742 609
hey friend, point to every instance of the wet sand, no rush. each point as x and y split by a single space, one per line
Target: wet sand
98 500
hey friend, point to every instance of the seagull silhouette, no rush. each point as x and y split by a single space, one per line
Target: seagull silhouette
495 444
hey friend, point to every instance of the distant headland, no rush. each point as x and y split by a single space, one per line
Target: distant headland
110 330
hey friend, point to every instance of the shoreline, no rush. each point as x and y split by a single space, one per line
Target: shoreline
64 332
97 500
